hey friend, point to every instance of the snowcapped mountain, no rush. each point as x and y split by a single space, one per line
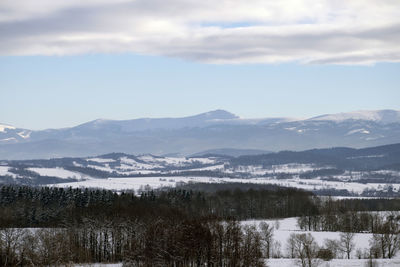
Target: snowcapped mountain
201 120
217 129
10 134
4 127
379 116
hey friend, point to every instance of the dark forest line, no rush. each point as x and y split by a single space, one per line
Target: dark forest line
176 227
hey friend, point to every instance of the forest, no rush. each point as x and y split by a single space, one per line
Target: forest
176 227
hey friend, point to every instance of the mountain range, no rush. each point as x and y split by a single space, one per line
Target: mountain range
208 131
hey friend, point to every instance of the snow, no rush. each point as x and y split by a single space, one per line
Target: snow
209 168
363 131
100 160
292 168
134 183
369 156
105 168
58 172
3 127
335 262
24 134
391 172
159 167
289 226
290 128
4 170
154 182
137 165
202 160
8 139
146 164
382 116
176 161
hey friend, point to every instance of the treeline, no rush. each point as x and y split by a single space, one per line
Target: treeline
348 215
162 242
196 225
22 206
384 243
167 228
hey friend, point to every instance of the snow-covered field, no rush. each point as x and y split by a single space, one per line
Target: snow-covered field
164 170
283 228
136 183
336 263
293 262
58 172
292 168
130 183
288 226
4 170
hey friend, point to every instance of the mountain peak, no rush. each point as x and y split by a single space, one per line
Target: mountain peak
218 114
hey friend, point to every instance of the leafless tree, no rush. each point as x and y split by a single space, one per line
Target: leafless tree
333 246
346 243
267 232
10 245
305 248
385 241
290 246
251 248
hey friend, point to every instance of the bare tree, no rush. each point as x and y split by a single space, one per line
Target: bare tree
391 234
290 246
10 245
305 248
385 241
333 246
251 248
267 231
276 249
346 243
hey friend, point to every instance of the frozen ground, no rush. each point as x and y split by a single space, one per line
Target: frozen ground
163 171
4 170
58 172
135 183
130 183
294 262
288 226
335 263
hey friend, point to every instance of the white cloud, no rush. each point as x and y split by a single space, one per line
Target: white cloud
224 31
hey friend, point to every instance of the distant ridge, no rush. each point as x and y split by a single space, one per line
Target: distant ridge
232 152
380 116
207 131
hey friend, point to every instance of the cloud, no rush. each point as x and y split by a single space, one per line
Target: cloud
224 31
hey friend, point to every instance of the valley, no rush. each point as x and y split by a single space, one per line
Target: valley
369 172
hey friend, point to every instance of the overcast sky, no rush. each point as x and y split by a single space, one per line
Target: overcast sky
64 62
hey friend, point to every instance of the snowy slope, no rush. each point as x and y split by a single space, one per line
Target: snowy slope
3 127
379 116
58 172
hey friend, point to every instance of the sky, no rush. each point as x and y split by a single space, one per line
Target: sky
66 62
